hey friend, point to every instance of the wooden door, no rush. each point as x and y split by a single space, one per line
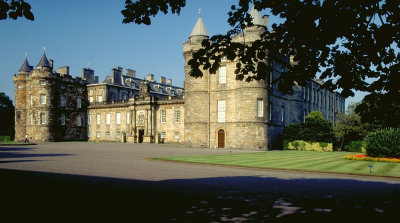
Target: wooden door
221 138
141 133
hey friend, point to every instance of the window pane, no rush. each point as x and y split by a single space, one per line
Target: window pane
177 116
108 119
260 108
163 116
221 111
222 75
118 118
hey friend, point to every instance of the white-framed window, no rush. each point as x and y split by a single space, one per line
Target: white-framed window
89 119
128 118
260 107
177 116
63 101
118 118
31 100
222 74
91 99
79 102
108 118
42 99
118 135
98 134
221 110
43 83
42 118
98 118
99 98
163 116
162 134
176 135
31 116
62 119
78 120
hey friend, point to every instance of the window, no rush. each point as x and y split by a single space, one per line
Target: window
89 120
283 114
63 101
304 94
42 83
100 99
162 135
31 115
88 134
177 116
108 119
42 118
98 134
79 102
62 119
222 75
223 58
304 115
100 90
118 135
163 116
19 86
98 119
270 112
118 118
176 135
108 134
260 108
128 118
78 120
124 97
31 100
43 99
221 111
91 91
91 99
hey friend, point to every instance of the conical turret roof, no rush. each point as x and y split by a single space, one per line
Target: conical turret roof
256 17
43 61
25 66
199 29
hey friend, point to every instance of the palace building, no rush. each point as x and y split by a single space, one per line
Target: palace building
213 111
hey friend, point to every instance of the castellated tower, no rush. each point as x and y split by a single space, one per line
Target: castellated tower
49 106
221 112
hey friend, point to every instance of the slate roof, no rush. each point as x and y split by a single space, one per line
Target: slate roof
43 61
25 67
199 29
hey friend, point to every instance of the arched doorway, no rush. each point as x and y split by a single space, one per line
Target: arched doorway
221 138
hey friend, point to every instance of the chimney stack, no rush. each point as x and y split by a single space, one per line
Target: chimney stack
162 80
169 82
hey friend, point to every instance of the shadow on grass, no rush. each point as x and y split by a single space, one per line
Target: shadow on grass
49 196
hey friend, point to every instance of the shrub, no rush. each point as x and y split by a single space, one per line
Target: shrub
383 143
355 146
310 146
5 138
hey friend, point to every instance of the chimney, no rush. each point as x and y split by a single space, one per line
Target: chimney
150 77
96 79
162 80
51 62
116 75
169 82
63 70
266 18
130 73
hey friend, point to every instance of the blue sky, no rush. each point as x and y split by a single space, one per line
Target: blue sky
76 33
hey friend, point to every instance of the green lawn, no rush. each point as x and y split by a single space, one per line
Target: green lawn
332 162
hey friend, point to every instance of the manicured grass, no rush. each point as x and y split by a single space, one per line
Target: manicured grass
332 162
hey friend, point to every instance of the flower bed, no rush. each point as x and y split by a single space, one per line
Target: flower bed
375 159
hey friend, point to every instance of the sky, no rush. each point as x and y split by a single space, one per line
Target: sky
90 33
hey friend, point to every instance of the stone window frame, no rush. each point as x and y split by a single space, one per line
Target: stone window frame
100 98
42 118
98 134
176 135
78 120
118 135
108 119
31 117
42 83
62 119
78 102
221 111
43 99
98 118
31 100
260 107
108 134
19 86
91 99
162 135
128 118
163 115
63 100
118 118
177 116
222 75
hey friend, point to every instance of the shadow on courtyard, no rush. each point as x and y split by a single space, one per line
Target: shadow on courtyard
22 152
47 196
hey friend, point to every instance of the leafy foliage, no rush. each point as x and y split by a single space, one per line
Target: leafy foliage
355 146
15 8
347 42
6 116
314 129
383 143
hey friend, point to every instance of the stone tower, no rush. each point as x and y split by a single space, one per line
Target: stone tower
49 106
221 112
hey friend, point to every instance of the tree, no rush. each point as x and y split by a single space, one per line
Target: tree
314 129
349 127
6 116
15 8
381 110
346 42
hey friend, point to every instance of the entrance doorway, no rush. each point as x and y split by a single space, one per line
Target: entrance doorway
141 133
221 138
